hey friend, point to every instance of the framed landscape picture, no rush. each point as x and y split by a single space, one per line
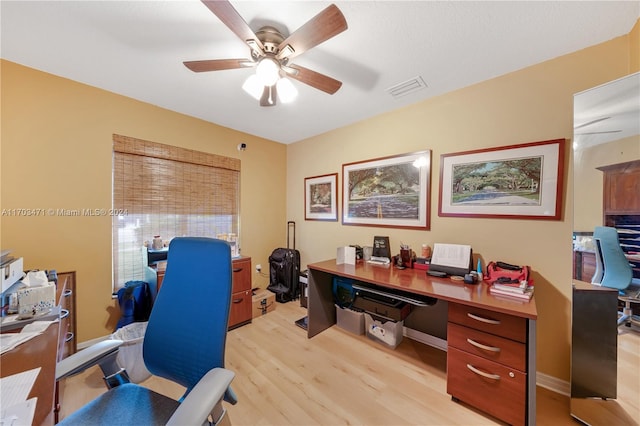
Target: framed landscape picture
320 199
389 192
518 181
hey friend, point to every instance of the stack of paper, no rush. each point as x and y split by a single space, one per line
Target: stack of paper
522 291
14 390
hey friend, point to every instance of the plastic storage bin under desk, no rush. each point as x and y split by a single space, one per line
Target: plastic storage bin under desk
350 320
389 333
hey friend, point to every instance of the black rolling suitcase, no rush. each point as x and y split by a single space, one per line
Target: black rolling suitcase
284 270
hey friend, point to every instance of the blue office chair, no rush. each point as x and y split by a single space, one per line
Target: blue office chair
184 342
613 270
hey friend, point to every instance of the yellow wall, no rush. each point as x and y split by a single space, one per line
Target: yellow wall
532 104
56 153
634 48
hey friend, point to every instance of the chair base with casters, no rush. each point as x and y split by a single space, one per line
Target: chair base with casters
629 297
184 347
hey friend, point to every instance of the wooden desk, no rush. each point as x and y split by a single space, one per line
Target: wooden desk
41 351
511 397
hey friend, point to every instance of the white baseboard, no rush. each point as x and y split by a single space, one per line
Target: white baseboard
543 380
553 384
425 338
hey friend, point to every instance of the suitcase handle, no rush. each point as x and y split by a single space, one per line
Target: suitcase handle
291 224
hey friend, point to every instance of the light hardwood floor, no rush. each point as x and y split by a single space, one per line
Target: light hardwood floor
335 378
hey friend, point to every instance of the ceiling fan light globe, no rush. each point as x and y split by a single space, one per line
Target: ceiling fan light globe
287 92
253 87
268 71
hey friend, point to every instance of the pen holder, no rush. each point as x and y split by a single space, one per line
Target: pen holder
406 258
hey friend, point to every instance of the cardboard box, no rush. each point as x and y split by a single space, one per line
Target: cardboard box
263 301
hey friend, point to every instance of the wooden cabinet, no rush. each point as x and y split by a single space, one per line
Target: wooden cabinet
621 207
240 313
584 265
486 361
68 340
66 299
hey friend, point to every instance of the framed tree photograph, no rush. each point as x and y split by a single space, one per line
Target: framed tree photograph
320 197
389 192
518 181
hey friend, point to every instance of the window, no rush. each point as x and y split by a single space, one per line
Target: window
167 191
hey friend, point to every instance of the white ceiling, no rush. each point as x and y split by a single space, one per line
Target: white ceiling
136 49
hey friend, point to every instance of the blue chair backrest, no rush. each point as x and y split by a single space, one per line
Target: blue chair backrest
187 330
617 272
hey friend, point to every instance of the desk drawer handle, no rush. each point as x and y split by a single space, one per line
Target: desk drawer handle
482 373
237 270
487 320
69 337
67 293
481 346
64 313
237 300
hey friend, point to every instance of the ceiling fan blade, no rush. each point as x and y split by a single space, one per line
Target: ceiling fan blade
599 133
232 19
320 28
268 96
313 78
218 64
591 122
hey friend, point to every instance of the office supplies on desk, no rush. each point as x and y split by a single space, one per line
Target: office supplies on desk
381 248
347 255
375 260
452 259
10 272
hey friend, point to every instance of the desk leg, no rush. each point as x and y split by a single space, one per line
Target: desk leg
531 376
321 310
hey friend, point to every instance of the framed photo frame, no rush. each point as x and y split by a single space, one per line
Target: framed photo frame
522 181
392 192
320 197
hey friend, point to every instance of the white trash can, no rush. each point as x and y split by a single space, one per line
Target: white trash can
130 353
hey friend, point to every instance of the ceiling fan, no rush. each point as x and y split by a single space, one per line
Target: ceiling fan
271 53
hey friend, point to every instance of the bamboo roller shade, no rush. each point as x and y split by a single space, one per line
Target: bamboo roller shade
154 178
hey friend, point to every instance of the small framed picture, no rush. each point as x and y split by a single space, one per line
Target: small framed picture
320 197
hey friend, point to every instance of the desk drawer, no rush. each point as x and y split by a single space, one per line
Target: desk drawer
241 275
487 385
505 351
497 323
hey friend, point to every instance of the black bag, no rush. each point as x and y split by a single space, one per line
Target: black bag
284 270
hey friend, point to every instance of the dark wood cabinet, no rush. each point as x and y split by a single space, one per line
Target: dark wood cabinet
240 313
584 264
621 207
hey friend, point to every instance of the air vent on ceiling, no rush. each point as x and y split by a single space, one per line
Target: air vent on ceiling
406 87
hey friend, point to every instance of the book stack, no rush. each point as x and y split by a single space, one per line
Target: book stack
521 291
